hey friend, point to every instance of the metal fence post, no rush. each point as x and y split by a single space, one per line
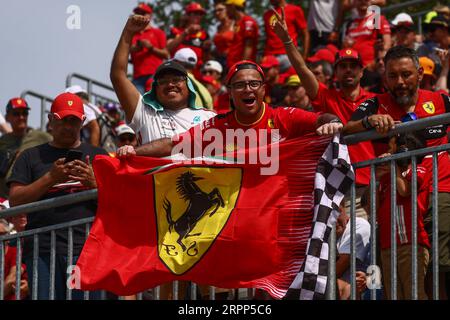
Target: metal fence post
393 231
331 287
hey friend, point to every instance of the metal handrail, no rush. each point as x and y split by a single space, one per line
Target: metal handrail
399 128
43 99
49 203
401 5
90 83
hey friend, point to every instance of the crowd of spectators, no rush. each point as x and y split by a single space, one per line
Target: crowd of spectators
334 60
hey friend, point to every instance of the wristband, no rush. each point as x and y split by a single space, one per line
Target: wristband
365 123
288 42
335 120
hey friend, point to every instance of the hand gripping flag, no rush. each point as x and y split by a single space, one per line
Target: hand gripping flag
219 224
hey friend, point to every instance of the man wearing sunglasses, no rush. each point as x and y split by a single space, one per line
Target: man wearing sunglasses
11 143
406 101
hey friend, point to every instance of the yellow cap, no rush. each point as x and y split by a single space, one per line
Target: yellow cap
428 65
237 3
293 80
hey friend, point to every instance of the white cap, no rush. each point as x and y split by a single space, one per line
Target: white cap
402 18
5 204
186 56
122 129
213 65
75 89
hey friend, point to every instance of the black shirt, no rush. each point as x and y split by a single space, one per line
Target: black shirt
31 165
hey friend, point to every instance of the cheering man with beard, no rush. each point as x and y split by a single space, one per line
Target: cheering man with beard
405 101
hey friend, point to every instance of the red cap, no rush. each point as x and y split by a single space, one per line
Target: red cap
348 54
211 80
67 104
242 65
322 54
269 62
332 48
16 103
144 8
194 7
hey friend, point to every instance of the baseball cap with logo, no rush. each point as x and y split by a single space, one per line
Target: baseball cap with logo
347 54
213 65
237 3
67 104
167 66
143 7
186 56
194 7
439 21
428 66
269 62
16 103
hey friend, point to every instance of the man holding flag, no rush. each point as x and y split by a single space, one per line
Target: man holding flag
187 219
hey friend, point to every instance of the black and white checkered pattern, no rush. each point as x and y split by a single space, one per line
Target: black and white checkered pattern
334 176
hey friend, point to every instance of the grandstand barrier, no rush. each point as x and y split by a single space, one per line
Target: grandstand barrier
154 293
91 83
44 101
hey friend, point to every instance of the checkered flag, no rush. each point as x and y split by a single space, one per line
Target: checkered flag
334 176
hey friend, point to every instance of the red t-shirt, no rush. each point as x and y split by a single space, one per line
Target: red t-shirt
145 62
404 211
428 104
194 41
223 41
333 101
364 35
290 122
295 20
244 29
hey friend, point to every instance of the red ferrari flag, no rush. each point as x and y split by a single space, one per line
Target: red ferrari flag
219 224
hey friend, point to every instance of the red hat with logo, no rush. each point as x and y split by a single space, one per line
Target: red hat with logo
143 7
322 54
242 65
269 62
194 7
348 54
68 104
16 103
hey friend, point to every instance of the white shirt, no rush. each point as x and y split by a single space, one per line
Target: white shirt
362 239
322 15
150 124
91 112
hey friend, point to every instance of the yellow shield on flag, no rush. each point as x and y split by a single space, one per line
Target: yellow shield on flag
192 206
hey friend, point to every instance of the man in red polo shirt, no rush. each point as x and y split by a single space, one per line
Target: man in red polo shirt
192 36
245 39
296 23
148 49
245 82
404 100
348 70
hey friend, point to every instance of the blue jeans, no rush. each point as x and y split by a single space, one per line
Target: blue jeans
60 278
140 82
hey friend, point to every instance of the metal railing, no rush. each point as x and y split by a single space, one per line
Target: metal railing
45 100
35 208
90 88
412 155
